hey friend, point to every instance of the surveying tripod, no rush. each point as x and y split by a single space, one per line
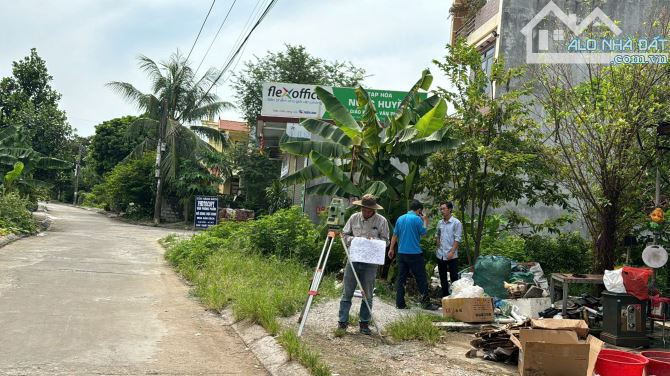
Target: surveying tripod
335 220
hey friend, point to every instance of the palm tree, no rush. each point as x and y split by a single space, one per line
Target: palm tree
186 99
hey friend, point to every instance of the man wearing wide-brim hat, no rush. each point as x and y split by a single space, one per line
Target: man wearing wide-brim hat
365 224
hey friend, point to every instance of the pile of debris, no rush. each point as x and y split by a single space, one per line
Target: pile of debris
495 344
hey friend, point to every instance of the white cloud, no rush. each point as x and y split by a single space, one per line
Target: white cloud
87 43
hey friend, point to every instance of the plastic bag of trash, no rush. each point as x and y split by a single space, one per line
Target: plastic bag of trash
538 276
491 272
461 284
469 292
613 280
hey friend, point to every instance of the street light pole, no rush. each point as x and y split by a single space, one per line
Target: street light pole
159 149
77 170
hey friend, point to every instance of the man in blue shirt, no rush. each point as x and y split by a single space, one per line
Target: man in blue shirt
409 228
449 232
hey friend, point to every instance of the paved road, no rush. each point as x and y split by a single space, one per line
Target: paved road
95 296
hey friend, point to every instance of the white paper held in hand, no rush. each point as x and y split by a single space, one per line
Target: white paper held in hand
369 251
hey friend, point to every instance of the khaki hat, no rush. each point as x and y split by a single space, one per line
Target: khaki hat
368 201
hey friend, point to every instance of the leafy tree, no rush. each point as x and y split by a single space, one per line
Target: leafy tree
603 128
27 99
256 171
293 65
15 151
187 98
200 178
128 182
277 197
372 156
111 143
501 158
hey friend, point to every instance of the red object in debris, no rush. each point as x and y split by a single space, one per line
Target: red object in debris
659 363
636 281
619 363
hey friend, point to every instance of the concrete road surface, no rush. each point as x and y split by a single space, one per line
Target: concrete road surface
94 296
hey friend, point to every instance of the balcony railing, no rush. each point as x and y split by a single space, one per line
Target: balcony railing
488 11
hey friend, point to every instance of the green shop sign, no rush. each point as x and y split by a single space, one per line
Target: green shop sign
386 102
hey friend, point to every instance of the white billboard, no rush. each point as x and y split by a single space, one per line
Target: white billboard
292 101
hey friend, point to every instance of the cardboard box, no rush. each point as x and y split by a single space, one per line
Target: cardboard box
468 309
578 326
550 352
530 307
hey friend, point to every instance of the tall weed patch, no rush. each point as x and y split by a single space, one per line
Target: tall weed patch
257 268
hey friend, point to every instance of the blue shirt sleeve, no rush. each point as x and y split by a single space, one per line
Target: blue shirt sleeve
422 228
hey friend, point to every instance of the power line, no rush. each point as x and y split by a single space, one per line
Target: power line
201 27
215 36
254 13
239 48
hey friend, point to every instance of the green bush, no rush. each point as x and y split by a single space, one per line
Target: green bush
510 246
288 233
568 252
14 214
130 181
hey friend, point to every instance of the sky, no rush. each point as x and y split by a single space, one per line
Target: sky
87 43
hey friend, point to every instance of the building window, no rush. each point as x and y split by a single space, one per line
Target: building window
487 65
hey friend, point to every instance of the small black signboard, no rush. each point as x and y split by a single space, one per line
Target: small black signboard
206 211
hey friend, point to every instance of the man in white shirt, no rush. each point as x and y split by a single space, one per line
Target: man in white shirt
365 224
449 231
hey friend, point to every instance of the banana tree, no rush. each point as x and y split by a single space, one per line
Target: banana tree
373 155
18 160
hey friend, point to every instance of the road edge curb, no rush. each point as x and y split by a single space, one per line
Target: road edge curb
265 347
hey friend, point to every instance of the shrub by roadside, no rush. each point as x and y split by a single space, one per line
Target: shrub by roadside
14 215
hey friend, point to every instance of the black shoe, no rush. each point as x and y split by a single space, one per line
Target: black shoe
402 307
342 325
431 307
365 328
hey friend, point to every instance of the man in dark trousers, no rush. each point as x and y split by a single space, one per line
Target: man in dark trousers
365 224
449 232
409 229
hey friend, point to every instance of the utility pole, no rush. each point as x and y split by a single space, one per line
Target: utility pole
77 170
159 149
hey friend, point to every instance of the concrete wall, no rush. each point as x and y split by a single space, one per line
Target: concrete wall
631 14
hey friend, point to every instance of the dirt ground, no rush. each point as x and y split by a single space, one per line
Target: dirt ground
357 354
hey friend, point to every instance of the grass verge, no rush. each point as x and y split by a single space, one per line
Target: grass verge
255 287
415 327
297 350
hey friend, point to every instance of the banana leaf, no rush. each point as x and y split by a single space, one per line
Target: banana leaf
376 188
433 120
339 113
306 174
326 189
372 127
334 173
427 104
327 131
326 148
